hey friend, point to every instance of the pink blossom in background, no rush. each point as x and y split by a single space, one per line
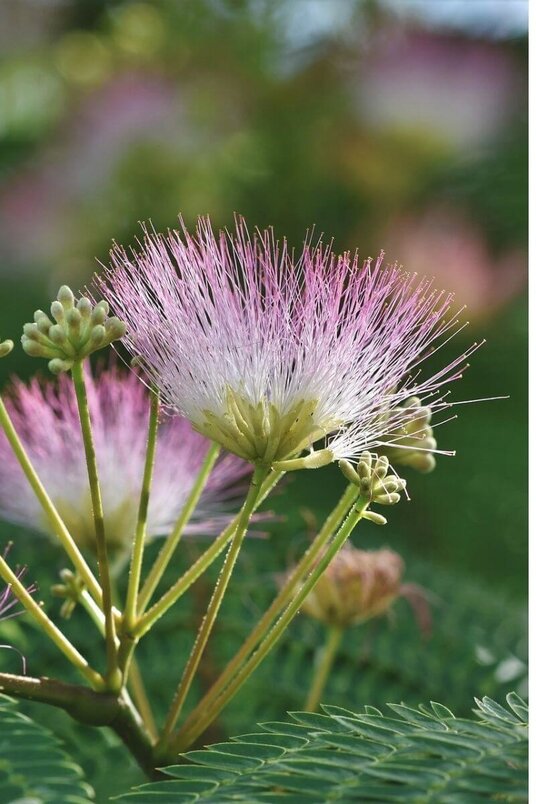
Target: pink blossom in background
45 415
460 91
37 203
444 243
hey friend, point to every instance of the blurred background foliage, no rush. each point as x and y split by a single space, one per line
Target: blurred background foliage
394 124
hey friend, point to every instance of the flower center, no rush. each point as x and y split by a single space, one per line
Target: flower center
261 433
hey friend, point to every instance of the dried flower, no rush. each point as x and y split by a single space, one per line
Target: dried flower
45 415
267 354
356 586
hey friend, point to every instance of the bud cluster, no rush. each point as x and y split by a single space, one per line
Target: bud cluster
78 329
412 440
5 347
374 484
71 590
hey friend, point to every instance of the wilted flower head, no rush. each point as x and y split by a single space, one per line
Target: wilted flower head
267 354
356 586
46 417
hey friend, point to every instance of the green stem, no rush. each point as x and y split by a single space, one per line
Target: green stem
133 679
199 719
141 699
113 674
323 667
173 539
141 524
50 629
259 475
282 599
94 612
198 568
56 522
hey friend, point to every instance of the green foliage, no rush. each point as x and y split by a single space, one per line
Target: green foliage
33 768
477 644
412 755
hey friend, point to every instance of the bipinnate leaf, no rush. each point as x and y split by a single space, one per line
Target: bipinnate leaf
33 767
423 756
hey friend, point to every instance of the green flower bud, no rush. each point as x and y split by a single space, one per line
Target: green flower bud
57 312
349 472
74 320
80 329
373 482
5 347
98 316
377 519
42 321
411 441
57 334
57 366
115 328
66 297
98 334
84 306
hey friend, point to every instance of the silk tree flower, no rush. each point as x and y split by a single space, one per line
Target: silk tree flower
267 354
45 415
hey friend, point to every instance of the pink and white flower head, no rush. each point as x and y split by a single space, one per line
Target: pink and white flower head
45 415
267 353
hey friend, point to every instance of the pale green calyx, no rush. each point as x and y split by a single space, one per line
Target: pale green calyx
412 442
264 435
76 329
374 484
5 347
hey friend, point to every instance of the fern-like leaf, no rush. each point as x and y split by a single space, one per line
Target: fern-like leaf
422 755
33 768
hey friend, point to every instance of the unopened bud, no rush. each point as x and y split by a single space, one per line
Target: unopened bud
115 328
66 297
57 334
372 516
5 347
98 335
32 331
58 366
410 441
57 312
349 472
84 306
74 319
387 499
98 316
42 321
373 482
